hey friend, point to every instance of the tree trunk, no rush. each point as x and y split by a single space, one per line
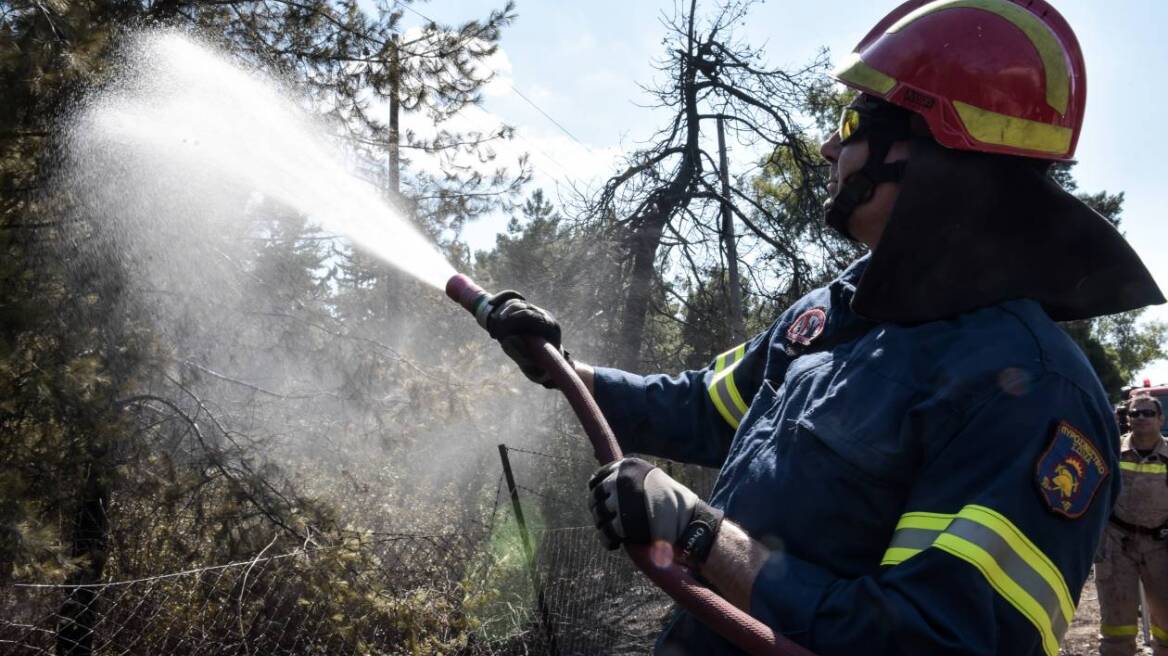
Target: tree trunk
657 213
643 250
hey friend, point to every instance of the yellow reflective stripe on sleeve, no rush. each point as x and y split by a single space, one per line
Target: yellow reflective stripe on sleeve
723 392
854 70
1119 630
1003 130
897 555
1044 40
1029 552
1159 634
931 521
1013 566
915 532
1003 585
1145 467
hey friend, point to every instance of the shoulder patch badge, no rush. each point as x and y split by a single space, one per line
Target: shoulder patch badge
1070 472
807 326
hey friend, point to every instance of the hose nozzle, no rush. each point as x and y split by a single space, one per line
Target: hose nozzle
462 290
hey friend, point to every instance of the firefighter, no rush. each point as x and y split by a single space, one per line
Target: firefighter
914 458
1135 544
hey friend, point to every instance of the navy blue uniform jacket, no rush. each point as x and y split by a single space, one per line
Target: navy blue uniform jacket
936 488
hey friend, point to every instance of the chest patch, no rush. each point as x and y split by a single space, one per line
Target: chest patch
1070 472
807 326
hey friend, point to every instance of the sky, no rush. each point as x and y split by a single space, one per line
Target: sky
583 65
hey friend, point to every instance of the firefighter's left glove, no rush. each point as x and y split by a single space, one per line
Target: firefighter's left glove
511 320
632 501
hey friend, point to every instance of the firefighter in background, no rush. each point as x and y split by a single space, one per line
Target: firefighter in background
1121 417
915 459
1135 544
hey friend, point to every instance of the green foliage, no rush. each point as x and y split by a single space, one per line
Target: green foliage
825 102
572 269
501 602
1119 346
705 324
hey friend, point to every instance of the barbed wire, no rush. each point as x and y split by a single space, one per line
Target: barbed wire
541 495
513 449
160 577
495 505
257 605
383 538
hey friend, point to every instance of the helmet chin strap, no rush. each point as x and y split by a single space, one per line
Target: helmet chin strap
860 186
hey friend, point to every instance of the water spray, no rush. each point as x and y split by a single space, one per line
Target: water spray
744 631
187 123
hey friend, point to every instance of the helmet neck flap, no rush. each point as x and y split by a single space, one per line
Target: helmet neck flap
971 230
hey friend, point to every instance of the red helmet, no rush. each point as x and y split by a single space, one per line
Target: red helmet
997 76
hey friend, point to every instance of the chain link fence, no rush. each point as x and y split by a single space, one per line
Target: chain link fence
597 601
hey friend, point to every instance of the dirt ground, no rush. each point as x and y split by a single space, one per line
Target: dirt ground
1082 638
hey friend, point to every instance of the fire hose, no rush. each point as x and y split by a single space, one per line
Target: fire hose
732 623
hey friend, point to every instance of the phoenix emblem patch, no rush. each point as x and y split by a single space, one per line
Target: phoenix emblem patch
807 326
1070 472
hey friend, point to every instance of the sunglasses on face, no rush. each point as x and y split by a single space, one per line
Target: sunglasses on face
853 124
1143 413
861 120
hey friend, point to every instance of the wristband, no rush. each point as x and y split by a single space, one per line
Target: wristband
696 542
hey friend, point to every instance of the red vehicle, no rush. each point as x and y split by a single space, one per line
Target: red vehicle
1159 392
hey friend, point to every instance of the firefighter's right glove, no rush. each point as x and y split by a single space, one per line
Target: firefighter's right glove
512 319
632 501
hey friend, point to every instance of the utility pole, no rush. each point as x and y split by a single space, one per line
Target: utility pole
394 112
738 317
393 182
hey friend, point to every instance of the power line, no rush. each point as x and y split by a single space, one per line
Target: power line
548 117
510 86
530 143
399 3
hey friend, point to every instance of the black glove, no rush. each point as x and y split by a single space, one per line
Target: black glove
633 501
512 319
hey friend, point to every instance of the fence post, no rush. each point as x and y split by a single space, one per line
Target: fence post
544 616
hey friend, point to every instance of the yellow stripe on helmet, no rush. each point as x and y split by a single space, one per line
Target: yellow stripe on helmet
1003 130
855 71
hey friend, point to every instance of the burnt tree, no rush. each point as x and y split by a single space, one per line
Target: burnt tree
676 194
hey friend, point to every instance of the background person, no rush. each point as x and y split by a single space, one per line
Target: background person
1135 546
